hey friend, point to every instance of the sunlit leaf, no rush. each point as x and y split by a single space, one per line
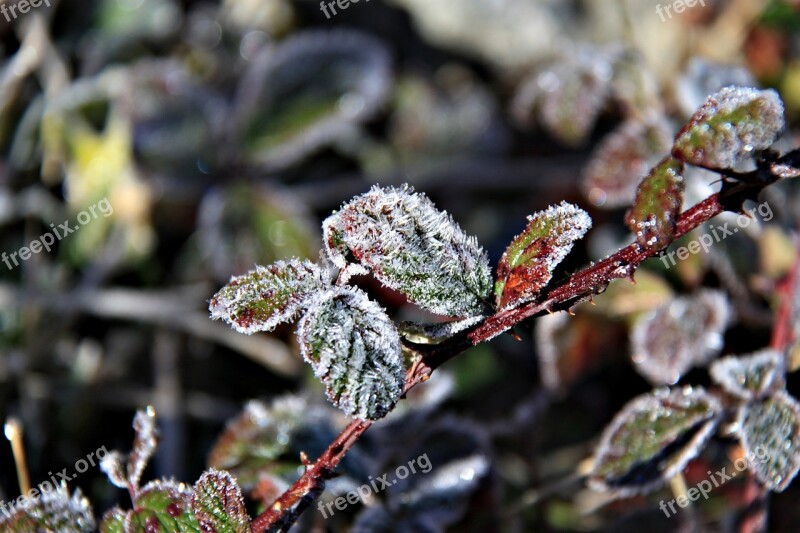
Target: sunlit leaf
218 504
412 247
528 263
267 296
623 158
653 438
770 435
683 332
750 377
354 348
658 204
50 511
730 127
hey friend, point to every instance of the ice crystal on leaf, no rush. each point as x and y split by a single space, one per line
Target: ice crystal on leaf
218 504
268 296
412 247
528 263
769 431
653 438
354 348
750 377
731 127
50 510
681 333
658 204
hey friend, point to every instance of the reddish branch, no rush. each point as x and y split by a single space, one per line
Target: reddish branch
584 283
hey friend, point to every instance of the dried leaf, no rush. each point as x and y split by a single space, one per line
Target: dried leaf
684 332
528 263
657 206
354 348
267 296
50 511
770 435
218 504
653 438
411 247
750 377
623 158
144 445
730 127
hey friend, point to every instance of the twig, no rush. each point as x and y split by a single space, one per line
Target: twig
286 509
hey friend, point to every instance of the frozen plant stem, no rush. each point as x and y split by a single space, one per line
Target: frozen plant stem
584 283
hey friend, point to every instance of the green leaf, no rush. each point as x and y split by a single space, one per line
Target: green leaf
218 505
163 506
750 377
267 296
730 127
653 438
412 247
657 206
114 521
770 435
49 511
354 348
528 263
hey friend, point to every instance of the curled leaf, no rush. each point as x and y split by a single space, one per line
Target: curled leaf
730 127
218 504
623 158
354 348
411 247
658 204
749 377
528 263
653 438
267 296
681 333
770 435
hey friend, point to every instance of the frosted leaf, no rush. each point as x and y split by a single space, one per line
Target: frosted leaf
114 521
623 158
354 348
144 444
267 296
412 247
770 435
750 377
50 510
113 464
218 504
528 263
679 334
657 206
652 439
731 127
420 333
163 505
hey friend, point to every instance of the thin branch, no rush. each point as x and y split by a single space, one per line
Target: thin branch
591 280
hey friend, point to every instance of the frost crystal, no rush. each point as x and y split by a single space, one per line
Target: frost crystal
731 127
528 263
653 438
678 335
354 348
658 203
770 435
267 296
750 377
412 247
623 159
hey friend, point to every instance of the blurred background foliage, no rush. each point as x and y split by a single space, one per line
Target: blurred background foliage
223 132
